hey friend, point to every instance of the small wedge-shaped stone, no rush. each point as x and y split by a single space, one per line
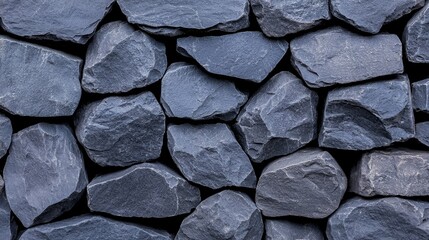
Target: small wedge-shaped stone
5 134
416 36
44 173
8 226
279 119
245 55
420 92
368 115
308 183
336 56
147 190
121 58
291 230
422 133
37 81
226 215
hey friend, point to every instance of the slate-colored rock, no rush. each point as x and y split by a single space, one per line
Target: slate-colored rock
368 115
337 56
420 91
225 215
5 134
291 230
1 184
121 58
279 119
422 133
308 183
416 36
147 190
44 173
37 81
245 55
121 130
209 155
8 226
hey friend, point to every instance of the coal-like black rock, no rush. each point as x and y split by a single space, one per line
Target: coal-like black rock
121 58
422 133
420 91
279 119
44 173
291 230
69 20
337 56
416 37
147 190
8 226
5 134
245 55
368 115
37 81
225 215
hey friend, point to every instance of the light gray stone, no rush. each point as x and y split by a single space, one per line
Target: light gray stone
291 230
5 134
422 133
416 36
420 91
8 226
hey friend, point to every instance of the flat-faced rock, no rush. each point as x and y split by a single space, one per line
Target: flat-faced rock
245 55
280 118
337 56
420 91
5 134
121 130
44 173
368 115
121 58
147 190
8 226
37 81
416 37
291 230
422 133
225 215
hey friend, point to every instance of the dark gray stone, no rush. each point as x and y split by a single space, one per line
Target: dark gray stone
420 91
5 134
245 55
121 58
291 230
336 56
368 115
147 190
44 173
37 81
308 183
188 92
279 119
416 37
226 215
8 226
1 184
422 133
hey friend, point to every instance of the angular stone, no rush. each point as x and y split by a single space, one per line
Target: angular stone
69 20
225 215
244 55
121 58
121 130
420 92
422 133
336 56
5 134
8 226
37 81
308 183
188 92
416 37
147 190
291 230
279 119
368 115
44 173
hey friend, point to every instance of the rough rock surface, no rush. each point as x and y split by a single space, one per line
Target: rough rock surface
225 215
291 230
1 184
8 226
44 173
279 119
420 92
416 37
336 56
245 55
5 134
422 133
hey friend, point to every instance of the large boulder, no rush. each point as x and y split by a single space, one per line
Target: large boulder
416 36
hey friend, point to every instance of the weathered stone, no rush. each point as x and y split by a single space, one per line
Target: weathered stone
1 184
69 20
416 37
44 173
308 183
336 56
279 18
225 215
422 133
368 115
244 55
5 134
279 119
121 131
37 81
121 58
8 226
291 230
147 190
188 92
420 92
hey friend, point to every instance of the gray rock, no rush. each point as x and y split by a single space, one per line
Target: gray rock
188 92
280 18
209 155
8 226
37 81
308 183
121 131
368 115
69 20
1 184
163 31
225 215
279 119
5 134
336 56
416 37
291 230
147 190
120 58
44 173
420 91
244 55
422 133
